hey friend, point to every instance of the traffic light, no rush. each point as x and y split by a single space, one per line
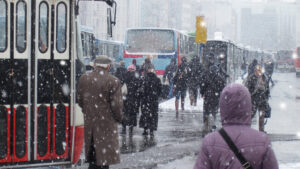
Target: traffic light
201 30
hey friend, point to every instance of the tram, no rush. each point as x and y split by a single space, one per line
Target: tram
158 43
40 62
229 52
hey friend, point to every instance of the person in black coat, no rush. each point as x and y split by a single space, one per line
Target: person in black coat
269 66
251 67
258 87
169 74
211 87
194 79
121 71
132 100
180 84
150 92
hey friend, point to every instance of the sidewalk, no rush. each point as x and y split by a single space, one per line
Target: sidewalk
174 139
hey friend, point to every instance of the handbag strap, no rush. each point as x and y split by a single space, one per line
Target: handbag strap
235 150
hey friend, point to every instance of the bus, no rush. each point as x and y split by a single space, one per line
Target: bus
160 44
230 52
284 61
41 60
112 49
296 57
88 40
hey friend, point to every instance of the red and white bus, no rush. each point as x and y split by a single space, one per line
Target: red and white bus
296 57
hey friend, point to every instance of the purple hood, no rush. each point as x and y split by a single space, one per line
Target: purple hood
235 105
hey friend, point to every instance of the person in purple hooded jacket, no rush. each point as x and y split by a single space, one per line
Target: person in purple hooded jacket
235 109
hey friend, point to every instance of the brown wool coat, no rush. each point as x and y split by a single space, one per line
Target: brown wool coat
100 97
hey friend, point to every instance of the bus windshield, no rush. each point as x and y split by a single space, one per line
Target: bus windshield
152 41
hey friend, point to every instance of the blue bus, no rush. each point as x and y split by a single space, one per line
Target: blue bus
160 45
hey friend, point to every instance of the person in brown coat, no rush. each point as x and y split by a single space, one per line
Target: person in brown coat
100 97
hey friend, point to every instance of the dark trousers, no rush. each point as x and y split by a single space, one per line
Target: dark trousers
92 158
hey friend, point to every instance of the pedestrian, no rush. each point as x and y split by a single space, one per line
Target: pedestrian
210 89
180 84
169 74
194 79
147 64
132 100
269 67
222 68
100 98
244 68
254 146
150 92
121 71
138 68
259 89
251 67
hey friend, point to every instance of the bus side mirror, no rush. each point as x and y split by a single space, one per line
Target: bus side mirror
109 22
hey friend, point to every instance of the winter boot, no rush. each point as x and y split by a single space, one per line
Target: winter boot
261 121
151 134
130 131
176 108
182 105
123 130
205 125
192 99
195 101
214 126
145 133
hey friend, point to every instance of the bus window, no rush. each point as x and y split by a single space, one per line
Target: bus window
43 27
3 26
21 27
61 27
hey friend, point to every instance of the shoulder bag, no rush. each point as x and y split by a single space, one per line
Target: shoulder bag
238 154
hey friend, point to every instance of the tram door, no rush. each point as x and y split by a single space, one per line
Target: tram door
34 80
52 64
15 81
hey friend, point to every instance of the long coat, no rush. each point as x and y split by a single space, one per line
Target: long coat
259 96
132 101
195 73
211 87
100 97
150 92
181 77
235 108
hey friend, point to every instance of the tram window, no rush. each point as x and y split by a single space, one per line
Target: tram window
3 26
61 27
43 27
21 26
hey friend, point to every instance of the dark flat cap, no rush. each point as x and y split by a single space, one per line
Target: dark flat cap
103 59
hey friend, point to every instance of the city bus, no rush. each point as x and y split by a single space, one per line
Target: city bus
285 61
296 57
112 49
88 40
159 44
41 60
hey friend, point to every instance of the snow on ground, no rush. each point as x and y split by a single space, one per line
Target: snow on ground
184 163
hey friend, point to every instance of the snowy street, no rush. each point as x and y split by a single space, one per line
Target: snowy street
177 141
